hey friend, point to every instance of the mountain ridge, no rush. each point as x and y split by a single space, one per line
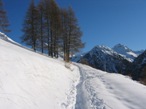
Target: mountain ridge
127 52
120 49
106 59
138 68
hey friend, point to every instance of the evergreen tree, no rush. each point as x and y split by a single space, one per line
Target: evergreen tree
30 27
4 23
49 25
55 27
64 25
41 25
52 18
46 5
71 33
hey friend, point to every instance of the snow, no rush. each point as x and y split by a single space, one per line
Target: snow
29 80
106 59
132 54
6 38
126 52
104 49
101 90
32 81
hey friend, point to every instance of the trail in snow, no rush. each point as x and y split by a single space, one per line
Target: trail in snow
86 95
80 99
29 80
101 90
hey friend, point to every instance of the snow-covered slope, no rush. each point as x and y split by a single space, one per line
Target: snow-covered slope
32 81
126 52
6 38
101 90
138 68
104 58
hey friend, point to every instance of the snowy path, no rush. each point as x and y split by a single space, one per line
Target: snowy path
101 90
29 80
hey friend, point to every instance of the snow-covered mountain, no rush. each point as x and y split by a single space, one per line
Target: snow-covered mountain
126 52
106 59
138 68
122 50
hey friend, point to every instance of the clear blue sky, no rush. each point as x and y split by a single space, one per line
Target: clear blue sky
103 22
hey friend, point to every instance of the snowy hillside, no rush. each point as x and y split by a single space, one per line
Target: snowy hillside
126 52
101 90
6 38
104 58
138 68
31 81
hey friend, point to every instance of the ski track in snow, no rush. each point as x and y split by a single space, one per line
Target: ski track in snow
29 80
101 90
86 95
